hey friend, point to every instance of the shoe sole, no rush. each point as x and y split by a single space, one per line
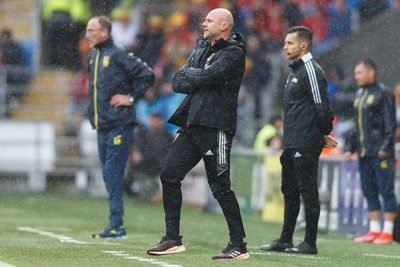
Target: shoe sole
114 237
382 242
274 250
364 241
240 257
296 251
172 250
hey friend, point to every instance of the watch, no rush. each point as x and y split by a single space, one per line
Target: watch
131 99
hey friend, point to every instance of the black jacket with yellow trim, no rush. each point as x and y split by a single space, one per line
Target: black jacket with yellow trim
113 70
375 122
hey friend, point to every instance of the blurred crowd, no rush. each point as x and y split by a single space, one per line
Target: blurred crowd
165 38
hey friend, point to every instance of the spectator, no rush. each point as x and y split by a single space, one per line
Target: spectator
13 59
150 41
370 8
334 78
258 73
274 20
78 101
146 159
343 101
291 13
63 23
195 11
315 18
124 29
339 21
269 131
146 106
169 102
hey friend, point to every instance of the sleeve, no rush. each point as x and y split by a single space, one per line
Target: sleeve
179 82
139 73
389 117
228 66
350 138
319 90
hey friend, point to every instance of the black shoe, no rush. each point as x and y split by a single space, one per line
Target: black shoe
277 246
303 248
233 252
167 246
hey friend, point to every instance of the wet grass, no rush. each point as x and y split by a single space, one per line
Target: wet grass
54 230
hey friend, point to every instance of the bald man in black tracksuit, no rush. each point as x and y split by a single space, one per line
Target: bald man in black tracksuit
211 79
307 124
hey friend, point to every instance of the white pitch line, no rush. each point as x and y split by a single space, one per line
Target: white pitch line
151 261
382 256
61 238
3 264
289 255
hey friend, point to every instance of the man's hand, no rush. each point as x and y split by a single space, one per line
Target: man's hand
330 142
382 154
120 100
347 156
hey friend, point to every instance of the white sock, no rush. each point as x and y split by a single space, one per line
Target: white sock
388 227
375 226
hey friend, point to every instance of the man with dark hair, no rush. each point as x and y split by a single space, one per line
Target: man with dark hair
306 126
373 139
116 80
211 80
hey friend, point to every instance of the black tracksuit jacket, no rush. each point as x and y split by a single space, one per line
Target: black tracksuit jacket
307 113
211 78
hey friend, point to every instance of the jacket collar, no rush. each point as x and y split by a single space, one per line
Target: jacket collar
107 43
305 58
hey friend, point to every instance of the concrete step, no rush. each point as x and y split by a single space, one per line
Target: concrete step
47 99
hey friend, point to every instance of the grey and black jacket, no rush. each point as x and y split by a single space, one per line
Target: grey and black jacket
307 112
114 71
211 78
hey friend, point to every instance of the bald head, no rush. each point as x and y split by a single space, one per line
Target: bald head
218 24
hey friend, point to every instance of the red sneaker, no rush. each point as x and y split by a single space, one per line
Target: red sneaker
368 238
384 238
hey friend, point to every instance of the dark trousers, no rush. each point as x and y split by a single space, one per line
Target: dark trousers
190 146
114 146
300 177
377 178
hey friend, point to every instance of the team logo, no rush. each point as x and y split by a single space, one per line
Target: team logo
370 99
106 61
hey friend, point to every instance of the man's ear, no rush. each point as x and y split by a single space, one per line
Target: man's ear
224 26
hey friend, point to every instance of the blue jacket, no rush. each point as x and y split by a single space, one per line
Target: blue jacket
375 122
115 71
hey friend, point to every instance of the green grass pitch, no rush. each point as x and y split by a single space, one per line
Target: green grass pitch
54 230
